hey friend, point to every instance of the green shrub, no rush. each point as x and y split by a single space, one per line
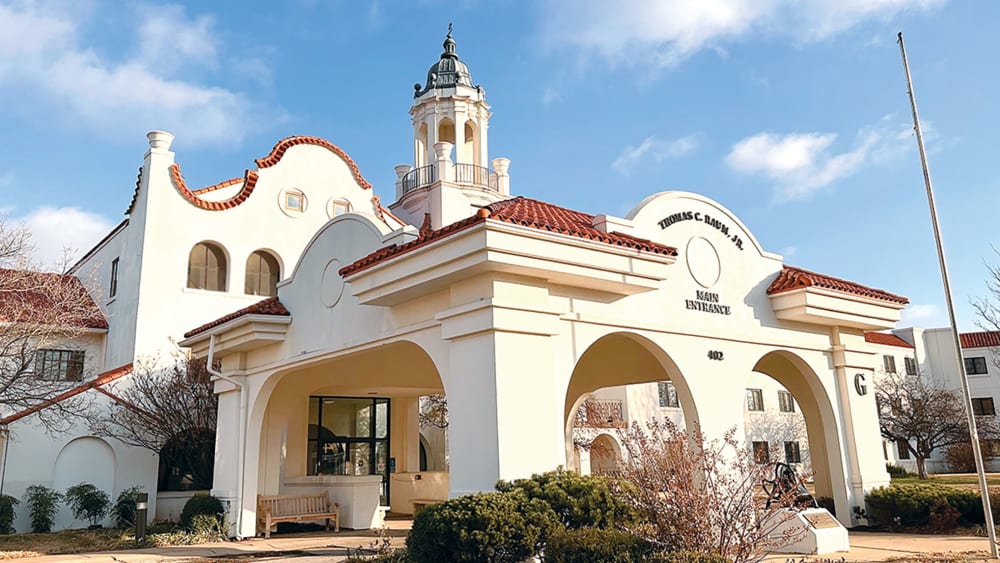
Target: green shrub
578 500
88 503
124 508
898 472
584 545
487 527
913 505
43 503
7 504
201 503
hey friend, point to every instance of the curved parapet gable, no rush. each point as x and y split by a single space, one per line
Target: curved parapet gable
656 214
249 179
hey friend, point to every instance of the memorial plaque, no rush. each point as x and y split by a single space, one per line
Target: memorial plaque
821 520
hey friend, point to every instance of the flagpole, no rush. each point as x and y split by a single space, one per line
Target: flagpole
970 416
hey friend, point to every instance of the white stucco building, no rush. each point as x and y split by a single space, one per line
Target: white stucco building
332 314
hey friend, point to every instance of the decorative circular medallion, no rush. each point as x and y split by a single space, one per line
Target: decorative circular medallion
703 262
332 286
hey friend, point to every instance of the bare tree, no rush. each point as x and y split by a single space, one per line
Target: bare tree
170 411
434 411
40 311
922 416
702 495
988 307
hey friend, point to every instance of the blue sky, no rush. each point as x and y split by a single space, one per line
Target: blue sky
791 113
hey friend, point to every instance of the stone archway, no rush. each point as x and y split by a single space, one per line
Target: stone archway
620 359
821 426
605 455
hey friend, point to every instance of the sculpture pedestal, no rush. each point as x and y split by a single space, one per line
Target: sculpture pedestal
814 531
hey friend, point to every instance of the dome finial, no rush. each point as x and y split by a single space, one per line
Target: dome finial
449 45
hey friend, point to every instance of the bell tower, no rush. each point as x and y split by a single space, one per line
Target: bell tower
450 117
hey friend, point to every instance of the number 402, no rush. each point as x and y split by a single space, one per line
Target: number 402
715 355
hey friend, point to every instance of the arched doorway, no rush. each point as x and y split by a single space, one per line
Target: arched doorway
619 378
821 454
340 421
83 460
605 455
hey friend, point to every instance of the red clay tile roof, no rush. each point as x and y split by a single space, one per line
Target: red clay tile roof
886 339
985 339
249 178
792 278
47 298
520 211
269 306
102 379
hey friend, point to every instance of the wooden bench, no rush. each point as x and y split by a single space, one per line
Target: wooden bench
272 509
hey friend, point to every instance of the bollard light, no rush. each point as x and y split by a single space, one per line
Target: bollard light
141 501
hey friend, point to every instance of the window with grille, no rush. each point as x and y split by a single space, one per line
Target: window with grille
59 365
911 365
207 267
262 274
792 454
755 400
668 395
785 402
975 366
889 363
983 406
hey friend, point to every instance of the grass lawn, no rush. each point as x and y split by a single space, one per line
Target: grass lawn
963 480
15 546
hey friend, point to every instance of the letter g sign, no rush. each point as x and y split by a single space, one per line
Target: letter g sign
859 384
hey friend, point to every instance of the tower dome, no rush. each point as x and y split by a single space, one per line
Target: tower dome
447 72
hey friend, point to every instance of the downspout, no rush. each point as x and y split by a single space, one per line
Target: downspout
242 443
5 436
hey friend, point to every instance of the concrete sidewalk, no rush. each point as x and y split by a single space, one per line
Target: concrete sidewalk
327 546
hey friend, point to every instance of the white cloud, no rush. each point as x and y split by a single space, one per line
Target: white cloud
663 33
42 52
654 149
58 229
788 251
801 164
922 315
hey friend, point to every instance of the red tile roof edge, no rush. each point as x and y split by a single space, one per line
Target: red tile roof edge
249 178
499 212
269 306
102 379
95 318
288 142
981 339
791 278
886 339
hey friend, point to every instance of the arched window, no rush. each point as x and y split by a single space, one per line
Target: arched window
187 461
207 267
446 131
263 273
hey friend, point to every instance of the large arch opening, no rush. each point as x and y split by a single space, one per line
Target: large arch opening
811 424
351 424
622 377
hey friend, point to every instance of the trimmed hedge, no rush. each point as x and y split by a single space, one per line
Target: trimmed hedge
917 505
201 503
488 527
589 545
578 500
584 545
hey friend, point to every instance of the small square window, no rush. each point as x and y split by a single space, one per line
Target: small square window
293 201
755 400
911 366
902 449
983 406
668 395
889 363
59 365
760 452
975 366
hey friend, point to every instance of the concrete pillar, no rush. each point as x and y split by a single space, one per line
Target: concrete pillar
401 171
501 166
505 406
442 160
